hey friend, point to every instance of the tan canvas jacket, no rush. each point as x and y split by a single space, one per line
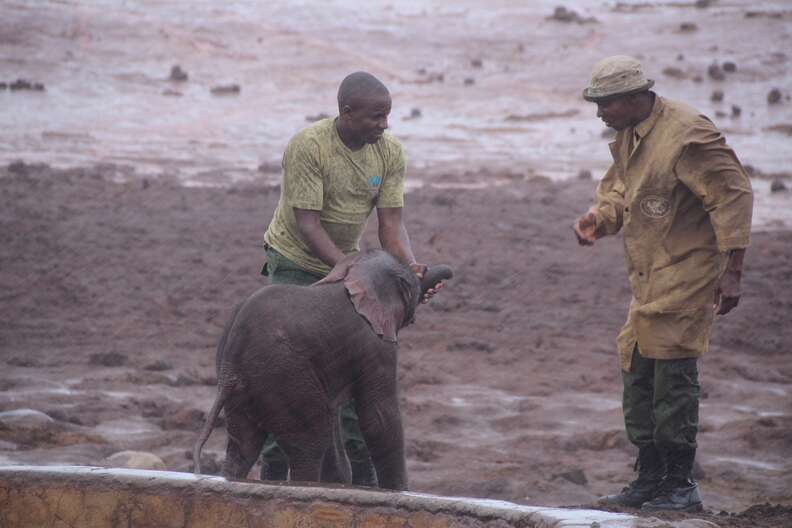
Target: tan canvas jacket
682 200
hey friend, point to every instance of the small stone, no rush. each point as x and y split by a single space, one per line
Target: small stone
135 460
778 186
774 96
470 81
701 4
226 89
688 27
477 63
673 71
172 93
25 419
736 111
729 67
720 113
584 174
108 359
576 476
717 96
680 57
415 113
716 72
158 365
177 74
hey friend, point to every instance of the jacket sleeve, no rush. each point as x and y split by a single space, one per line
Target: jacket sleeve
711 170
609 202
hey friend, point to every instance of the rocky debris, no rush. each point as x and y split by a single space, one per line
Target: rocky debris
18 361
716 96
729 67
736 111
778 185
584 174
226 89
477 63
469 81
470 344
189 419
774 96
764 14
177 74
430 77
30 428
172 93
158 366
702 4
22 84
715 72
415 113
674 72
688 27
562 14
135 460
575 476
25 419
785 128
108 359
317 117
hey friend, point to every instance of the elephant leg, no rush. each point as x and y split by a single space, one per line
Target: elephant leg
380 422
306 449
335 464
245 439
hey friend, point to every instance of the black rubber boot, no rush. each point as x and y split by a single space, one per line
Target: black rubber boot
276 469
651 469
678 491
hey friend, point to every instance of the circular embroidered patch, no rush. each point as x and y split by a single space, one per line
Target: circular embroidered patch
655 206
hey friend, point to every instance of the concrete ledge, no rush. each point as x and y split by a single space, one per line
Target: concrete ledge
89 497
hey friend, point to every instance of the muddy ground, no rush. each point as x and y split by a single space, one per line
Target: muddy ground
113 298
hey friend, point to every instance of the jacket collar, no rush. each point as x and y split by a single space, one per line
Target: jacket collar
645 126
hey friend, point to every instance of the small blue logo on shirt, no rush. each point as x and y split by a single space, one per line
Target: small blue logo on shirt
374 181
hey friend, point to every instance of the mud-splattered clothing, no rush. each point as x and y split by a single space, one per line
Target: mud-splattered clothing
320 173
682 199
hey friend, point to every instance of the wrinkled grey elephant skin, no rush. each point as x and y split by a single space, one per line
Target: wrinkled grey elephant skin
290 356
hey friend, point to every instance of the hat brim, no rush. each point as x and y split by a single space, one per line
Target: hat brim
599 98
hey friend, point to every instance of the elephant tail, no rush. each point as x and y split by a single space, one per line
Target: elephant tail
208 426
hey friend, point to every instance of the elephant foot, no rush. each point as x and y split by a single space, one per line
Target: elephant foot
274 470
363 473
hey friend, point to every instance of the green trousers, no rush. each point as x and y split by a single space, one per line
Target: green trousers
281 270
661 402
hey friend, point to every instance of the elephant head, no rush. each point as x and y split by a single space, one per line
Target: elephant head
384 291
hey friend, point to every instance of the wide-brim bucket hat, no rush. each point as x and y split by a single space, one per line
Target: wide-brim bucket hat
616 76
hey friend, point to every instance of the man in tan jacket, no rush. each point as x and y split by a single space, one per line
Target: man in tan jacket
683 202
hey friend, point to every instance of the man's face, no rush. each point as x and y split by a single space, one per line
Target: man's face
618 113
369 119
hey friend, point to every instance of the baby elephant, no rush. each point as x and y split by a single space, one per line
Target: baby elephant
292 355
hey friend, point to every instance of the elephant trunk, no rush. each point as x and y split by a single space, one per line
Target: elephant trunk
434 275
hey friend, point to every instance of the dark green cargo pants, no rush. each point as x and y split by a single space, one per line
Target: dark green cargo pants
281 270
661 402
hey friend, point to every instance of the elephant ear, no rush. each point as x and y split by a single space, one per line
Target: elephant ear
383 318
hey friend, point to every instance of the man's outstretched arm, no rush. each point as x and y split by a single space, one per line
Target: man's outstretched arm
315 237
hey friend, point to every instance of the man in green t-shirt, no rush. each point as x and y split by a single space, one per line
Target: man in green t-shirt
334 173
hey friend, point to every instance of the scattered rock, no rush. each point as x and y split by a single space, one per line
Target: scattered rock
584 174
680 57
189 419
674 72
729 67
716 72
158 366
415 113
24 84
701 4
177 74
108 359
575 476
778 186
774 96
470 345
717 96
226 89
317 117
172 93
562 14
25 419
135 460
785 128
477 63
720 113
736 111
469 81
688 27
18 361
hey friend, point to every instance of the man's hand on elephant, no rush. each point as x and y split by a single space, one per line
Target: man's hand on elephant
727 292
420 270
585 229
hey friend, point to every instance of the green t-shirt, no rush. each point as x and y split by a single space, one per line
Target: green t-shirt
322 174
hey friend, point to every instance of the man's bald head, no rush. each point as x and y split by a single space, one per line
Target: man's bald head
359 87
